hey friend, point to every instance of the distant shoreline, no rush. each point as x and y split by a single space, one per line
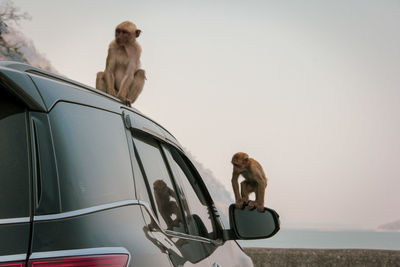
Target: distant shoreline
265 257
317 239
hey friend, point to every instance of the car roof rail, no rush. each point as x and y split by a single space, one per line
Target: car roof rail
23 67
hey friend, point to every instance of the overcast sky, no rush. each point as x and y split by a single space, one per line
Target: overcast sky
308 88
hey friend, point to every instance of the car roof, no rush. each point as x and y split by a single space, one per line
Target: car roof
41 90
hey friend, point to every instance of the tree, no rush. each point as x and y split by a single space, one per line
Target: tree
9 14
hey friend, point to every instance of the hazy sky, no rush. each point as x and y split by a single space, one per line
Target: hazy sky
308 88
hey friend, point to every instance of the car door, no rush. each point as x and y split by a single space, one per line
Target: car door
170 224
182 220
15 180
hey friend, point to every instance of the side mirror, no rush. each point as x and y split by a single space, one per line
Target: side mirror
252 224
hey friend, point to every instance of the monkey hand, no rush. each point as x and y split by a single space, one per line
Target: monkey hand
239 204
251 205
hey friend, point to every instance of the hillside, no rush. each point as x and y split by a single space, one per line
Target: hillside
14 46
390 227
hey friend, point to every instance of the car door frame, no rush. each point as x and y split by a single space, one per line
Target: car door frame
149 209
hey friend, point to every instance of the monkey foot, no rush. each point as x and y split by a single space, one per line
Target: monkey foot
260 209
127 103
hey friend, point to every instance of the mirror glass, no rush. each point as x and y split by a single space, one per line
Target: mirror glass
252 224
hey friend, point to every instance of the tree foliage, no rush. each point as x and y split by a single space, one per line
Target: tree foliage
9 13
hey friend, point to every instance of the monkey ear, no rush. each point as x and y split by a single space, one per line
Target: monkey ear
246 160
138 33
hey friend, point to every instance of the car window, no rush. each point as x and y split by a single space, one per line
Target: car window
200 213
14 160
140 184
160 184
92 156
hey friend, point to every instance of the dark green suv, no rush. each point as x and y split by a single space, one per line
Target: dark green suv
87 181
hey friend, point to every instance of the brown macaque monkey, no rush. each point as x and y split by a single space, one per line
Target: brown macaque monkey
122 77
254 181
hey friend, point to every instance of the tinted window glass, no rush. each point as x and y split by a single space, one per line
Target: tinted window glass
160 184
14 161
141 187
200 213
92 155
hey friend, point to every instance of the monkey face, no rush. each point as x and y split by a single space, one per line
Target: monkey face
126 33
238 167
122 36
240 161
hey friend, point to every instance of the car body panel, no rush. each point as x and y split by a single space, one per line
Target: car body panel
86 191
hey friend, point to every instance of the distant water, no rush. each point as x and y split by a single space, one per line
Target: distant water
290 238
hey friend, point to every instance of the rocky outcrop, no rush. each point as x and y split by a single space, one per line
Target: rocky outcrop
14 46
390 227
9 52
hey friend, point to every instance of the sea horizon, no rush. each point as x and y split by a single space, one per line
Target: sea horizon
329 238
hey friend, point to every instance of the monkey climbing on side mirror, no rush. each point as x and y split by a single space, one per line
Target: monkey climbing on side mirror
255 181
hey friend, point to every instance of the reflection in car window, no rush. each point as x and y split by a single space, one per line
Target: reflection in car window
167 204
199 210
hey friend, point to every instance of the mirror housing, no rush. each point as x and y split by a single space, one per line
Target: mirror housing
252 224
